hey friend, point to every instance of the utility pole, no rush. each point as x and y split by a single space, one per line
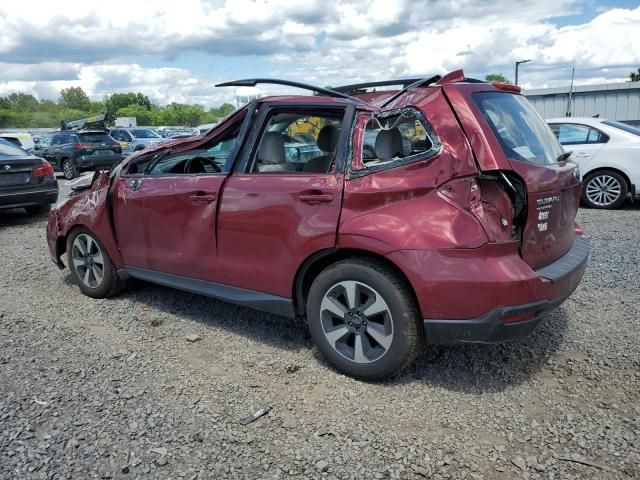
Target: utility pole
570 99
517 65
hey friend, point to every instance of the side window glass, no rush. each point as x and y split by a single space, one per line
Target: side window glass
45 142
121 135
298 142
56 140
596 136
396 136
573 134
208 159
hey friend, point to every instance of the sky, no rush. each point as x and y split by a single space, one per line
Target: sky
177 50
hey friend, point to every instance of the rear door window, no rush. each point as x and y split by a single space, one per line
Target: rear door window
521 132
572 134
95 137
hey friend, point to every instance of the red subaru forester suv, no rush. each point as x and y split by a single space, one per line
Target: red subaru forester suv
436 213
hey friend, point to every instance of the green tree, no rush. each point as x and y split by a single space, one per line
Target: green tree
115 102
496 77
143 115
635 76
21 102
74 97
180 114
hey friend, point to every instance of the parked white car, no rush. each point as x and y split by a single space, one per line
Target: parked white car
21 139
608 153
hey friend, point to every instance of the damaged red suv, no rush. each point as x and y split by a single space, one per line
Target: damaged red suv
439 212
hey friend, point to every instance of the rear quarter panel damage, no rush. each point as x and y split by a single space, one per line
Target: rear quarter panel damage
400 208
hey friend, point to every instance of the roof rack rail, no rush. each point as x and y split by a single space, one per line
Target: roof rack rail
99 122
382 83
252 82
419 83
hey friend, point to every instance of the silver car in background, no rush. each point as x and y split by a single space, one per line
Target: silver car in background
136 138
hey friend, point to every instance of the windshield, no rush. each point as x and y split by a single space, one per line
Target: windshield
95 138
522 133
144 133
622 126
9 150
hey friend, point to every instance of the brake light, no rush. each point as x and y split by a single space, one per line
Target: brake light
507 87
78 146
43 170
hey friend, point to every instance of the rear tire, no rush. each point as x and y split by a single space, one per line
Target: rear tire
90 265
604 189
38 209
363 319
69 170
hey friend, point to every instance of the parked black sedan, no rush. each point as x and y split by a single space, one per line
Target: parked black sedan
25 180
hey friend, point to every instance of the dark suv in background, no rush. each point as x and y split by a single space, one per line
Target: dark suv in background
73 152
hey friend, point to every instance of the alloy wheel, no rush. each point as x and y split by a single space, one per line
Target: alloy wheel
67 170
88 260
356 321
603 190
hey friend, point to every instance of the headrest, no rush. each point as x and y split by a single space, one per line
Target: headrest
328 138
388 144
271 148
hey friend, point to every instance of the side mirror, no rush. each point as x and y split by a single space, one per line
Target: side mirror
36 140
292 154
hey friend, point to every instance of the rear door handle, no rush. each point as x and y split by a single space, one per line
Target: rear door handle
583 154
201 197
315 197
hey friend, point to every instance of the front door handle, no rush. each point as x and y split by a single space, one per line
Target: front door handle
582 154
314 197
200 198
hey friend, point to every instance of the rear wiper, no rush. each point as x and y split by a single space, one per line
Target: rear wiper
563 157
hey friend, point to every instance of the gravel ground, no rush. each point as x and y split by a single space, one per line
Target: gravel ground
153 384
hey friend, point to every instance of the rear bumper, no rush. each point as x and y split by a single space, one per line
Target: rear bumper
491 328
488 294
42 196
515 321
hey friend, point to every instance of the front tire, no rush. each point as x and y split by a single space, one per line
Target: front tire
604 189
363 319
90 265
69 170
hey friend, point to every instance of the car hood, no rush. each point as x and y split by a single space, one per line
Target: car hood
82 182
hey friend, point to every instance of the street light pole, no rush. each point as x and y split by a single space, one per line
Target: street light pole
517 65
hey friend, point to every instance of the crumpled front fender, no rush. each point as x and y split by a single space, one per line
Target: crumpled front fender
88 207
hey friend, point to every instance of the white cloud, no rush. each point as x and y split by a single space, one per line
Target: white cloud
44 47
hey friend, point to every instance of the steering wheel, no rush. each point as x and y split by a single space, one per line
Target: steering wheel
203 161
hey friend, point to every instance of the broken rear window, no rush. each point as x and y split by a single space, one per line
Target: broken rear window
400 135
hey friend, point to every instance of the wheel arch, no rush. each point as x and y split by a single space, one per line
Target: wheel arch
613 169
61 241
317 262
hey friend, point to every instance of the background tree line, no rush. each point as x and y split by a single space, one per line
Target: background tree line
22 110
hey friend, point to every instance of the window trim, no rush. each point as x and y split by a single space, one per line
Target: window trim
590 127
436 145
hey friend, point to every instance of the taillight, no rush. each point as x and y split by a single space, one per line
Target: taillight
78 146
43 170
487 199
